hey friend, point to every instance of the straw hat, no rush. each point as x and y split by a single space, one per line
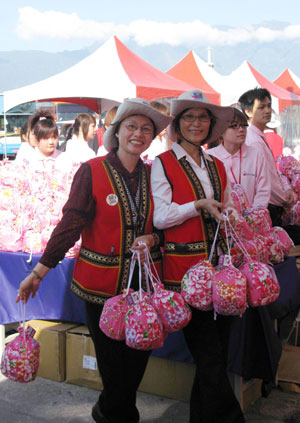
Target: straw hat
195 98
134 106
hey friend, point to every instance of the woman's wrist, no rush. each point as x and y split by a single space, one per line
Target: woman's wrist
198 205
156 239
37 275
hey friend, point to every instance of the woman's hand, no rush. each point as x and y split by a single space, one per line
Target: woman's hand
289 198
31 283
145 239
213 207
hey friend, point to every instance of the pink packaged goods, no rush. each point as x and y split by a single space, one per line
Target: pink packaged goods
196 285
30 203
230 292
262 284
283 237
295 182
289 165
243 229
112 320
143 328
239 197
250 246
171 308
20 359
258 219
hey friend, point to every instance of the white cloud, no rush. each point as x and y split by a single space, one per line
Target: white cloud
34 24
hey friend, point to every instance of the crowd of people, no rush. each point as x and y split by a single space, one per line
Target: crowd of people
170 199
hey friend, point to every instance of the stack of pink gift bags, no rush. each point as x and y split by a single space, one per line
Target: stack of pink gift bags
31 205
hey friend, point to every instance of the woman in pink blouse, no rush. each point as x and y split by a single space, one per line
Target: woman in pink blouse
243 163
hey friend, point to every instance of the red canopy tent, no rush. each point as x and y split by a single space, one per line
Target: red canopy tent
285 97
188 70
289 81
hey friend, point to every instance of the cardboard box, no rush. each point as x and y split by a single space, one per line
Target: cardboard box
168 378
81 364
289 365
52 339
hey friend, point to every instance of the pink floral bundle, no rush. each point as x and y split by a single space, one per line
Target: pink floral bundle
112 320
143 328
258 218
283 237
289 166
262 284
230 292
171 308
239 197
20 359
196 285
143 319
30 203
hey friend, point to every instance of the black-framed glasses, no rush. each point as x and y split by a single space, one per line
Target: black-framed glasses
238 126
191 118
133 127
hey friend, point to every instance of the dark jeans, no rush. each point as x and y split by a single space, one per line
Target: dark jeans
212 398
121 369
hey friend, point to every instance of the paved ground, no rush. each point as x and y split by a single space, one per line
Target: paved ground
45 401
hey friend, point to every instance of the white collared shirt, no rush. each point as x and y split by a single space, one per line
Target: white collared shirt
78 150
168 213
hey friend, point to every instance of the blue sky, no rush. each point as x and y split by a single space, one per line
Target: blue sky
71 24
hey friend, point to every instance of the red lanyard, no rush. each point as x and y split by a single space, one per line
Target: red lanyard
240 173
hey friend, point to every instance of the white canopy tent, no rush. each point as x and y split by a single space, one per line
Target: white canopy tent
110 74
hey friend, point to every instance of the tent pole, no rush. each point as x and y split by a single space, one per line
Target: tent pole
99 110
4 126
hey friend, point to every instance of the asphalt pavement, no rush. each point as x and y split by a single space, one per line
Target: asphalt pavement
45 401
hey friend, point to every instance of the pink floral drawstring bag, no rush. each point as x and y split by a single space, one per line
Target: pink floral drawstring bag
143 327
262 284
173 312
20 358
112 319
197 283
230 286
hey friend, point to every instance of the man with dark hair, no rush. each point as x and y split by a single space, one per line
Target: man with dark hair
257 105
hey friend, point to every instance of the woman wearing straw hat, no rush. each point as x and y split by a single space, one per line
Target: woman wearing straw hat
190 190
110 207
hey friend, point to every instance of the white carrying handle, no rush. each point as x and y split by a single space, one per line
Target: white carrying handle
147 266
238 239
214 243
22 314
131 269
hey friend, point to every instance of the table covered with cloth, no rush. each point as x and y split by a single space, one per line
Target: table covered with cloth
254 345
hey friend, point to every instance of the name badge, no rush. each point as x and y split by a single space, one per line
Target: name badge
112 199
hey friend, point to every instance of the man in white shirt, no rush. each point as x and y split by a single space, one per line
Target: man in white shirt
257 105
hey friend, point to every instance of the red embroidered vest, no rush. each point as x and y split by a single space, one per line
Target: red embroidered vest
191 241
102 266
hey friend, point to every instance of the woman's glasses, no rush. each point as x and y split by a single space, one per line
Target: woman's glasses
134 127
238 126
191 118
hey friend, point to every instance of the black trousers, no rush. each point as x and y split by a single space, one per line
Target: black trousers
121 369
212 398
